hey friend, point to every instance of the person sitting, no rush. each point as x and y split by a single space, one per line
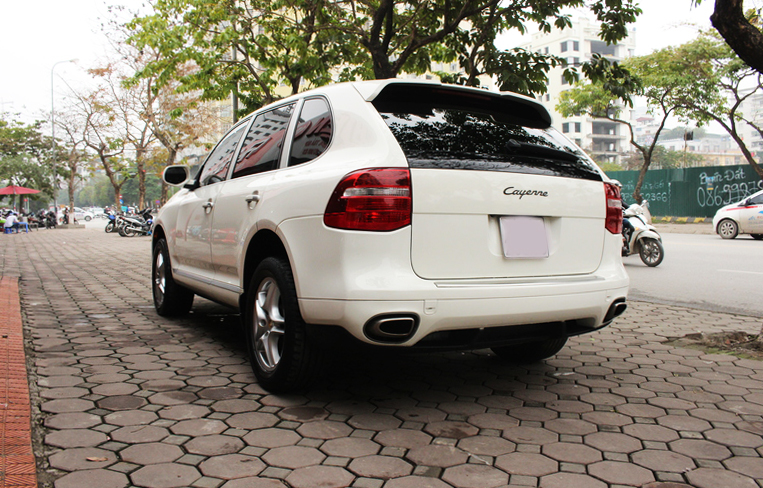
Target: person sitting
11 223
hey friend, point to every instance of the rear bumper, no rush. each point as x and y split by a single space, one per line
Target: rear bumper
436 321
366 283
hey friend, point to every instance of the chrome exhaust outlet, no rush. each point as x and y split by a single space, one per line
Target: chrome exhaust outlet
391 329
617 308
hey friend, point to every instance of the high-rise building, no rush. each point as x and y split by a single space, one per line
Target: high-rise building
603 139
752 109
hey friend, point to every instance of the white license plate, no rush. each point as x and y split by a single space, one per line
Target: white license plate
524 237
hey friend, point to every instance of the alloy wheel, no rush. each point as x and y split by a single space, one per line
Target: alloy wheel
160 277
268 325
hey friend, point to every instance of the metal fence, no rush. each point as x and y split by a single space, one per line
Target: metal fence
691 192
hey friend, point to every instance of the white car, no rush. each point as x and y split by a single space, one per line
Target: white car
82 214
742 217
395 214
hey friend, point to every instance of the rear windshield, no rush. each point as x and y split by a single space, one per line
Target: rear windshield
455 134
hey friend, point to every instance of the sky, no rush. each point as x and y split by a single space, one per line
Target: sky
36 35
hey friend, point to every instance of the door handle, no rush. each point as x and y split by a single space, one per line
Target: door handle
252 199
208 206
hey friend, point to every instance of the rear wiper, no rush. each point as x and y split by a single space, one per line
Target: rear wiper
527 149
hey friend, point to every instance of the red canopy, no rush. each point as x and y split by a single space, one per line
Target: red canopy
16 190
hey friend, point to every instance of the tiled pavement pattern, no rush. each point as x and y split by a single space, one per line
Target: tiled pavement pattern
122 397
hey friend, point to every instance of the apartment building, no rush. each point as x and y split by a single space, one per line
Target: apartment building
606 141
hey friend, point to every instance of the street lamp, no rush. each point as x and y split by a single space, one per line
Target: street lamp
53 133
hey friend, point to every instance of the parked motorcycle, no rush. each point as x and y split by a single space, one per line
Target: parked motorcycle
136 225
111 226
641 237
48 219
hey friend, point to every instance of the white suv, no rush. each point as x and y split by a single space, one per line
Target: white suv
400 214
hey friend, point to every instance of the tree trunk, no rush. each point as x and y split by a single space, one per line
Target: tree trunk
165 190
744 38
141 187
640 181
382 67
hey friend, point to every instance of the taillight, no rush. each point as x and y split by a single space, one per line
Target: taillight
614 221
371 199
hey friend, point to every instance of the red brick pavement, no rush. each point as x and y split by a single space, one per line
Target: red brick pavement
17 463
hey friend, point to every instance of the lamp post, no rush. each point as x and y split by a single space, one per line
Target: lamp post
53 133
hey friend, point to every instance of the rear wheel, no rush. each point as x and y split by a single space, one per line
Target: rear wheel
170 299
282 356
530 352
757 237
728 229
124 231
651 252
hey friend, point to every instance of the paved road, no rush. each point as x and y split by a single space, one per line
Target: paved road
122 397
703 271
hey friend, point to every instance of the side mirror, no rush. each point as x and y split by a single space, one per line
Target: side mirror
176 175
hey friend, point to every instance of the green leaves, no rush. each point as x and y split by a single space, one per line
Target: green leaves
24 154
263 50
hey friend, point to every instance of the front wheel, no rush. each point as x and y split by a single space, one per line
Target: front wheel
110 227
280 352
651 252
88 218
728 229
530 352
170 299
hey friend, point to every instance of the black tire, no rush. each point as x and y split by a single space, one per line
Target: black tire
110 227
125 232
651 252
88 218
757 237
280 352
728 229
170 299
530 352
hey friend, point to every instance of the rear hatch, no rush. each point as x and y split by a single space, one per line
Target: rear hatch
496 193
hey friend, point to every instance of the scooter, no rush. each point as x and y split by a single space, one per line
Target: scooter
642 237
111 226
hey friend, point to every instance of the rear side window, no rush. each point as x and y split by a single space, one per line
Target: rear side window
219 161
451 129
262 146
314 130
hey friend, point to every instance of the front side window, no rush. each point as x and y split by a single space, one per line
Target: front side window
313 134
219 161
261 150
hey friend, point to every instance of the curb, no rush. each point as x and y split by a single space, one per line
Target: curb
17 462
684 220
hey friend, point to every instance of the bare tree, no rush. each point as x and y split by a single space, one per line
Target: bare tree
75 151
102 135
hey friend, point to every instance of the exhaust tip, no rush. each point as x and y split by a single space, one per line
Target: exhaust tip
391 329
617 308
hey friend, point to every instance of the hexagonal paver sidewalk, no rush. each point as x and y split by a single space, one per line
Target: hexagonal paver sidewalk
123 397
